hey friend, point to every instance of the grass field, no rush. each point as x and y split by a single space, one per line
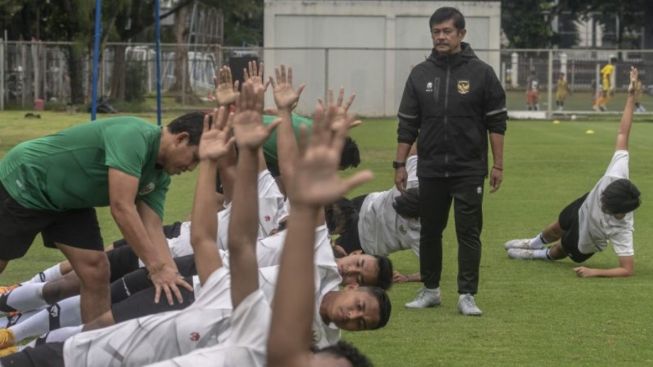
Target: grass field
535 313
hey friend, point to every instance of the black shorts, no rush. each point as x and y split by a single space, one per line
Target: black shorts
44 355
568 220
19 226
142 304
122 261
169 230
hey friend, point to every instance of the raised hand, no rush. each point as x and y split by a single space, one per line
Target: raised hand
342 109
215 142
285 96
226 91
254 72
634 77
316 181
249 130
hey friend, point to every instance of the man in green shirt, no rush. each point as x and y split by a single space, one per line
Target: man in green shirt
52 184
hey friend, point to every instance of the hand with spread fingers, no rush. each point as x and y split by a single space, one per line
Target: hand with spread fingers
226 91
254 73
216 141
247 122
341 106
285 96
316 180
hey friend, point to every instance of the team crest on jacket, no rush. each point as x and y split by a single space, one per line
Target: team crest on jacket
463 86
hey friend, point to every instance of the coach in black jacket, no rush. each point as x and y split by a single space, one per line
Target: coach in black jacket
451 103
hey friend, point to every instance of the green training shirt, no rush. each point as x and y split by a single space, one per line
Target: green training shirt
270 145
69 169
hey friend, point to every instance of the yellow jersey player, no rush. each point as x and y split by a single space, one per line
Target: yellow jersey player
607 89
562 90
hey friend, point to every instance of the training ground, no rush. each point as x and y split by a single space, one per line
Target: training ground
535 313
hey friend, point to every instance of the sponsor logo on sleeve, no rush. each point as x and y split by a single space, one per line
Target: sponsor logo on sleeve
147 189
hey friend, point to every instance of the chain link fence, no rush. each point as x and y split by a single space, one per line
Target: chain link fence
57 75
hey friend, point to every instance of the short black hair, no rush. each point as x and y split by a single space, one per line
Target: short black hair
348 351
338 214
620 197
407 204
444 14
384 279
385 307
191 123
350 155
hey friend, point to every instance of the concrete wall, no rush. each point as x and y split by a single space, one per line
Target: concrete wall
349 42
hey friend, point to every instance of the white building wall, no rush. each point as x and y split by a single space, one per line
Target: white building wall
376 75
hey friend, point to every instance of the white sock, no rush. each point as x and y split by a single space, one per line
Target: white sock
59 335
18 318
537 242
541 254
27 297
47 275
62 314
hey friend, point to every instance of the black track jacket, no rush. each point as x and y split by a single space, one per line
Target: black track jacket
450 104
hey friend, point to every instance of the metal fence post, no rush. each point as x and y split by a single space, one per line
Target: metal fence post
549 95
2 74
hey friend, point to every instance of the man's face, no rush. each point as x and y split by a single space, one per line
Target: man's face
354 310
358 269
446 37
181 157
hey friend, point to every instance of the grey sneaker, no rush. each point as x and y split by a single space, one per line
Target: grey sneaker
467 305
523 243
425 298
521 253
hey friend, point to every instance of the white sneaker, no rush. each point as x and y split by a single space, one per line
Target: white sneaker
523 243
467 305
521 253
425 298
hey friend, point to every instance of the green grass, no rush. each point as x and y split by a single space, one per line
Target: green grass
535 313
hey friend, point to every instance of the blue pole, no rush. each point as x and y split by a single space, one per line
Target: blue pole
157 35
96 56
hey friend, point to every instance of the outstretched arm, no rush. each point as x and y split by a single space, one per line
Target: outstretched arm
314 184
250 134
627 117
626 268
214 144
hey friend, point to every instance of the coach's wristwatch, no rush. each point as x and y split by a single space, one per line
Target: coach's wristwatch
397 164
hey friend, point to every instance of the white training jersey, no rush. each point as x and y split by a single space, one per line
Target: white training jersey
596 228
380 229
271 207
246 343
157 337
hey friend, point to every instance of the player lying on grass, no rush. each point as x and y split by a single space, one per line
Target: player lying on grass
150 339
602 216
306 192
380 223
360 268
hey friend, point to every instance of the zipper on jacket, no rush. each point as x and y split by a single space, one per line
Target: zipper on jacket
446 123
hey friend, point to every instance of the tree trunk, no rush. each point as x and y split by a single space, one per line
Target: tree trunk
182 86
76 73
117 91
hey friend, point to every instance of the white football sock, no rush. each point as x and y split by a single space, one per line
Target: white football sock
55 336
541 254
61 314
47 275
537 242
27 297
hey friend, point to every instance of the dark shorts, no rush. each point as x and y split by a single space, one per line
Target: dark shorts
142 304
19 226
122 261
169 230
44 355
568 220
